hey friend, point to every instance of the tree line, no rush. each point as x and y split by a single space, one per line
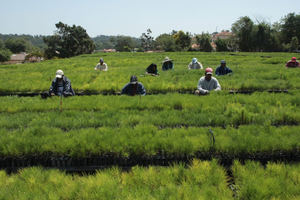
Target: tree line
246 35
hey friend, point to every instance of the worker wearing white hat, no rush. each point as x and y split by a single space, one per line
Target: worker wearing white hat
61 85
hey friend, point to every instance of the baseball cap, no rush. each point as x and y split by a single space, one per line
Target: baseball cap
223 62
208 70
59 73
293 58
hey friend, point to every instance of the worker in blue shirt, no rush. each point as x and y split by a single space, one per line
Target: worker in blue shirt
134 87
223 69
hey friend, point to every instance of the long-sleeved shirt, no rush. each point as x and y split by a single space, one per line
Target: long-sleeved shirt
102 67
167 65
134 89
292 64
204 86
61 88
196 65
223 70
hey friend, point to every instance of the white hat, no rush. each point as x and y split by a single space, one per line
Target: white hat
59 73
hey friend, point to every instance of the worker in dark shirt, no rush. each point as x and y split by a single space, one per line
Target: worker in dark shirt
61 86
167 64
152 70
134 87
223 69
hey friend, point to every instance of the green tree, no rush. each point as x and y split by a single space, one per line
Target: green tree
124 43
4 55
182 40
294 45
16 45
68 41
204 40
2 45
290 27
147 40
243 30
165 42
221 45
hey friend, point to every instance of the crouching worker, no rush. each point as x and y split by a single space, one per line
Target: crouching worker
102 66
61 86
134 87
207 83
152 70
292 63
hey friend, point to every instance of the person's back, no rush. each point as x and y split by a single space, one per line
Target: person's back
167 64
134 87
292 63
152 69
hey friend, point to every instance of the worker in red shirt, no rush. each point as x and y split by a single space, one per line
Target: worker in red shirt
292 63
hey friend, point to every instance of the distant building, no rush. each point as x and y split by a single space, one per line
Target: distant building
109 50
17 58
222 35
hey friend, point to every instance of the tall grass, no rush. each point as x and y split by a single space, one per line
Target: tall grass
275 181
251 72
202 180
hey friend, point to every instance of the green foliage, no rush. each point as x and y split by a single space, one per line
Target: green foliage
147 40
222 45
182 40
174 124
16 45
294 45
166 42
124 43
201 180
68 41
290 27
4 55
275 181
243 29
203 41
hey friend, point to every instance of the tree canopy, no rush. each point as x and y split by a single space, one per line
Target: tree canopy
68 41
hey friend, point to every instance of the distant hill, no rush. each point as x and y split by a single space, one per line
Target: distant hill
109 42
101 41
36 41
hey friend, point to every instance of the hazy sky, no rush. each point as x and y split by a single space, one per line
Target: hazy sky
133 17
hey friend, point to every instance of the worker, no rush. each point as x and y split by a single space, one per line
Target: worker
207 83
223 69
134 87
167 64
61 85
102 66
292 63
195 64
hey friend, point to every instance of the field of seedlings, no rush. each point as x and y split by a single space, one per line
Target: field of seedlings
200 180
252 71
169 144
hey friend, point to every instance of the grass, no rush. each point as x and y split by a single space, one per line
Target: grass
252 71
174 124
201 180
275 181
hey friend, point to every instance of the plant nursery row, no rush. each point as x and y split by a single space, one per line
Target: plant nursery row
200 180
251 71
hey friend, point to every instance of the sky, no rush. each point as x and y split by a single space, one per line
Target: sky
134 17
